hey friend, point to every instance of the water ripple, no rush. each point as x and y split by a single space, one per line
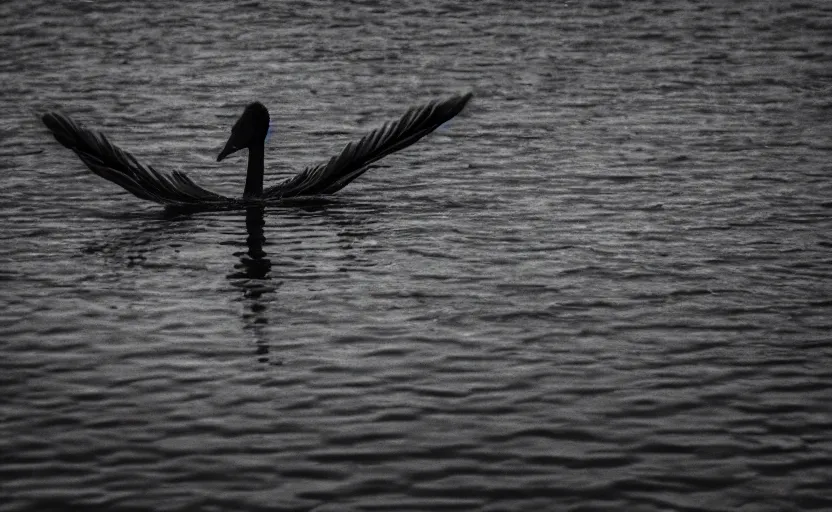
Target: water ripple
604 286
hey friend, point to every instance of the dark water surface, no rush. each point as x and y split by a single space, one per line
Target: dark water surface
607 285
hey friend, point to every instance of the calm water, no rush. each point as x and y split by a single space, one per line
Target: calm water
607 285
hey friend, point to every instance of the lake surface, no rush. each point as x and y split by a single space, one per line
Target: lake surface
606 285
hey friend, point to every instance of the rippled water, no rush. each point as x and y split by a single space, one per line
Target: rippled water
607 285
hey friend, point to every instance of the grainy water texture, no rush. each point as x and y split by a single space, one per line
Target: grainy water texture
606 285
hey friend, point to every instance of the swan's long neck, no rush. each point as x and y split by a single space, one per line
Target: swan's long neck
254 173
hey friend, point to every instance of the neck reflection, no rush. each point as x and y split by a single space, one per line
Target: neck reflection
252 276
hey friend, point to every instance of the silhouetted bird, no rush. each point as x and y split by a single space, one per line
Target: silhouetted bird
177 190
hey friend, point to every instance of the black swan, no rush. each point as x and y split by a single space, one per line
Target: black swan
177 190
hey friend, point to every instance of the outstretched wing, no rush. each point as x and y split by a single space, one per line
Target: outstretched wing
114 164
356 157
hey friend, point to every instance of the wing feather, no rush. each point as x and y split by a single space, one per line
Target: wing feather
356 157
120 167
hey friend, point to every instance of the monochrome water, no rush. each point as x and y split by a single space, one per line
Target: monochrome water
605 285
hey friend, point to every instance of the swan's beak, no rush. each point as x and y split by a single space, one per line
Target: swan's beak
233 144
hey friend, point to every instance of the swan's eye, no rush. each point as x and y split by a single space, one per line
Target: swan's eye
268 132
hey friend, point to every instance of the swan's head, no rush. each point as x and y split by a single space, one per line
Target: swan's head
252 128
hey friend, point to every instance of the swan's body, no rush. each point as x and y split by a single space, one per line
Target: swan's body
177 190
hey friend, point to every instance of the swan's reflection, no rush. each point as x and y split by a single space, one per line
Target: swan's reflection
147 245
258 278
252 275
